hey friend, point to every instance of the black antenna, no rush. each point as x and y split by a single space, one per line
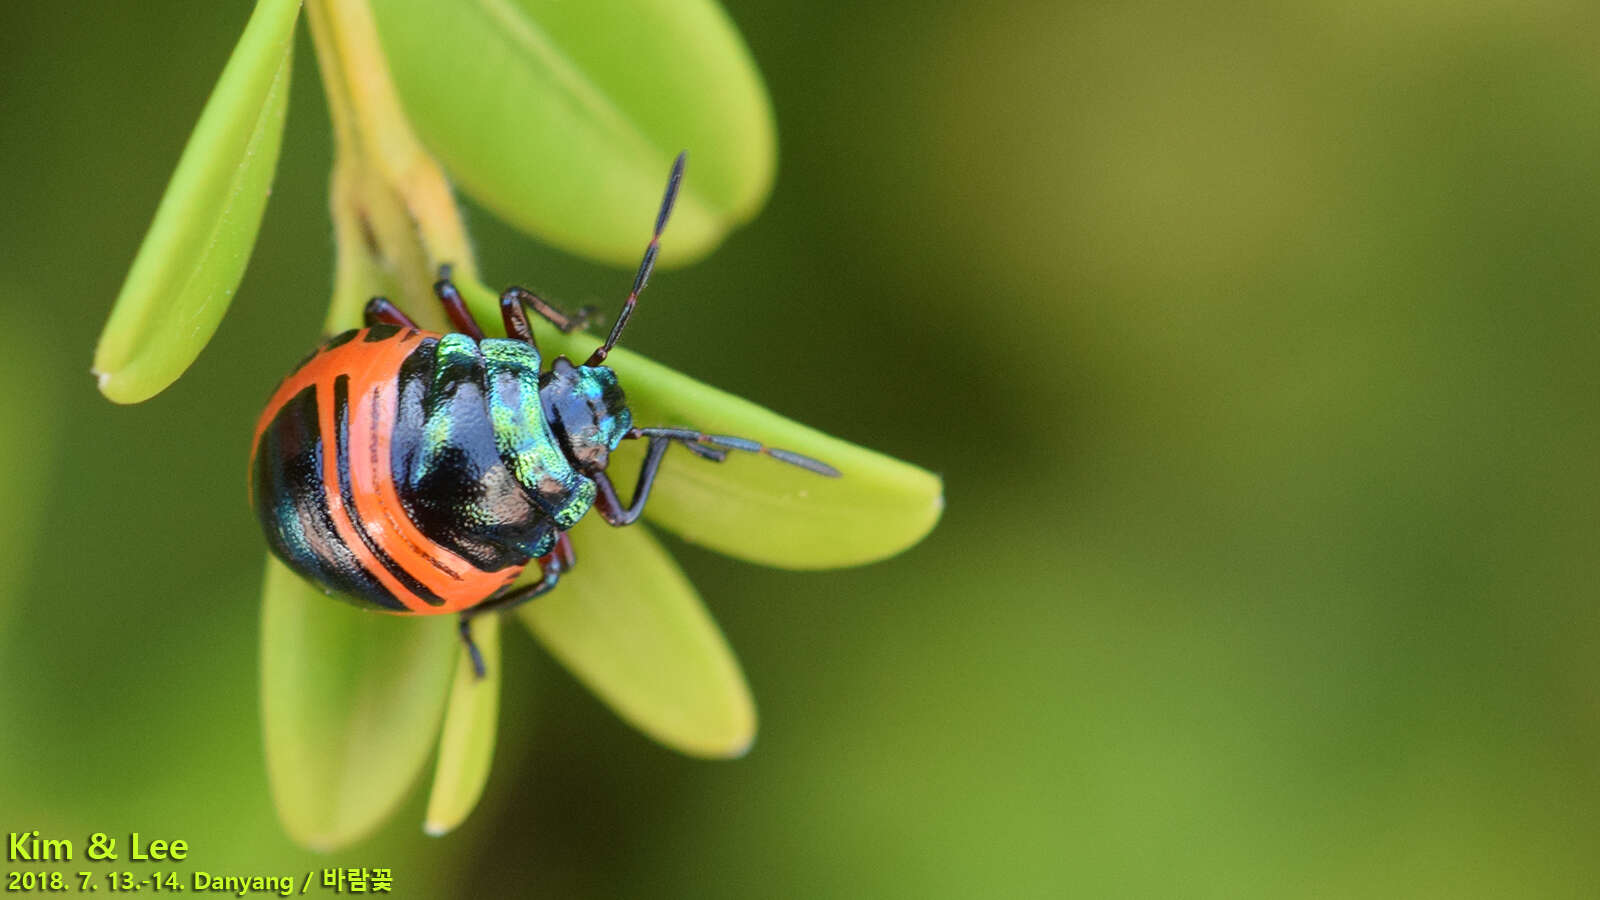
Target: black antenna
715 446
649 263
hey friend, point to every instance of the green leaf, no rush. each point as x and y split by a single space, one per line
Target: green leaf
631 627
466 745
563 118
351 703
756 508
753 507
195 253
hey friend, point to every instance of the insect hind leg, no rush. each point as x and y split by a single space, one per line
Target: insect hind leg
455 306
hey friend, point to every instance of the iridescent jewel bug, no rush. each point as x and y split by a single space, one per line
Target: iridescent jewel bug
420 473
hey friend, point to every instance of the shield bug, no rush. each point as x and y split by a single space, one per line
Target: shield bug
420 473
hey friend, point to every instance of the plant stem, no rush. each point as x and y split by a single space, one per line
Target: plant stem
395 219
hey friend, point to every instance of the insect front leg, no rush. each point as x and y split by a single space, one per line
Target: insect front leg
610 505
522 297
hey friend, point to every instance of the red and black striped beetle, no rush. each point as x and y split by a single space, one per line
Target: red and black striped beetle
420 473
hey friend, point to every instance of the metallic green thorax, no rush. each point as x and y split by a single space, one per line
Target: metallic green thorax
474 456
523 437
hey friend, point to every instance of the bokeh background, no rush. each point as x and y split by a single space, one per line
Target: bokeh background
1257 343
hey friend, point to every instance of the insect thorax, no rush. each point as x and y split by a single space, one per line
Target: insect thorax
473 455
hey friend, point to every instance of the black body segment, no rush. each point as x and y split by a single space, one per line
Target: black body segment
448 466
293 508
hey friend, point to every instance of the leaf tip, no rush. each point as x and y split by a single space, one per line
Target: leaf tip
741 748
735 737
921 520
118 390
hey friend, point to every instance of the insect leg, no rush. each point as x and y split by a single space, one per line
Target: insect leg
553 565
714 447
456 307
566 323
610 505
516 322
478 668
380 311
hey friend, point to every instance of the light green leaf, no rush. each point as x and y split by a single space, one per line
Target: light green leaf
756 508
351 702
563 118
195 253
466 746
753 507
631 627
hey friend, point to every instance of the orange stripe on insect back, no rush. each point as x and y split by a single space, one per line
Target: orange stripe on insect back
313 371
353 356
328 425
455 580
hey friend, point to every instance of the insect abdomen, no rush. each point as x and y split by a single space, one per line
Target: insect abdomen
324 481
297 513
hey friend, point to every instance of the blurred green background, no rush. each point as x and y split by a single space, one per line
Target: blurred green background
1257 346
